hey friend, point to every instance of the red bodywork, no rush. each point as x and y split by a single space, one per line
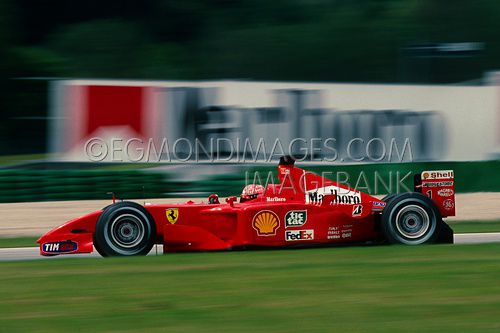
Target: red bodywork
304 209
440 187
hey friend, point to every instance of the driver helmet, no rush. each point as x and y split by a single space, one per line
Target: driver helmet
251 192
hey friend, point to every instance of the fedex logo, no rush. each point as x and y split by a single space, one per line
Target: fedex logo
298 235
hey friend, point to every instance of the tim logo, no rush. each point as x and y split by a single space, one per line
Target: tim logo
51 247
60 247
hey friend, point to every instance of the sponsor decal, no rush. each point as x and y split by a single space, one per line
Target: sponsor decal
283 170
172 215
275 199
444 174
341 196
266 223
347 234
378 206
295 218
346 231
448 204
60 247
333 233
357 210
298 235
445 192
437 184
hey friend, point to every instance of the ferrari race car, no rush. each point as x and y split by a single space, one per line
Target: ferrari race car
304 209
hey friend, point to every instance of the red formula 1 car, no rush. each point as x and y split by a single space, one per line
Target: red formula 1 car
303 209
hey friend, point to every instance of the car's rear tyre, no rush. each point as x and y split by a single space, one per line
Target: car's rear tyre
411 219
124 229
389 197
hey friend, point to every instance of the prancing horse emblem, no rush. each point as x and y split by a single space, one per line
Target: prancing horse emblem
172 215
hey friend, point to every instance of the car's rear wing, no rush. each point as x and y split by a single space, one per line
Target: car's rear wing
440 187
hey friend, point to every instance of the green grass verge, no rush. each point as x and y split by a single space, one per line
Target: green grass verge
9 160
475 226
18 242
436 288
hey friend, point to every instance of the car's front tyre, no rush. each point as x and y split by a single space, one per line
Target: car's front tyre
124 229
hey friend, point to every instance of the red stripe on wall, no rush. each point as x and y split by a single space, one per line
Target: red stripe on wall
114 106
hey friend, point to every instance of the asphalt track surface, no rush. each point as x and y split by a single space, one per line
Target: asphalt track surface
32 253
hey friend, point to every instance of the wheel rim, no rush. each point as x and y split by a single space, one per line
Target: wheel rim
412 221
127 231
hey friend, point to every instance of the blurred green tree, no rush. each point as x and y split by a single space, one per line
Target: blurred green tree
321 40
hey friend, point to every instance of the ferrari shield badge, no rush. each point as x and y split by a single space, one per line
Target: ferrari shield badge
172 214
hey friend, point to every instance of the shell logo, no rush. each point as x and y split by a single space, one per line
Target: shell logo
266 223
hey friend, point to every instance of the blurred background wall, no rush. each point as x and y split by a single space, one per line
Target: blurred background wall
438 122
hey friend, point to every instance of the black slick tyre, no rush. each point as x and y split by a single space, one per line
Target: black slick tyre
411 219
124 229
